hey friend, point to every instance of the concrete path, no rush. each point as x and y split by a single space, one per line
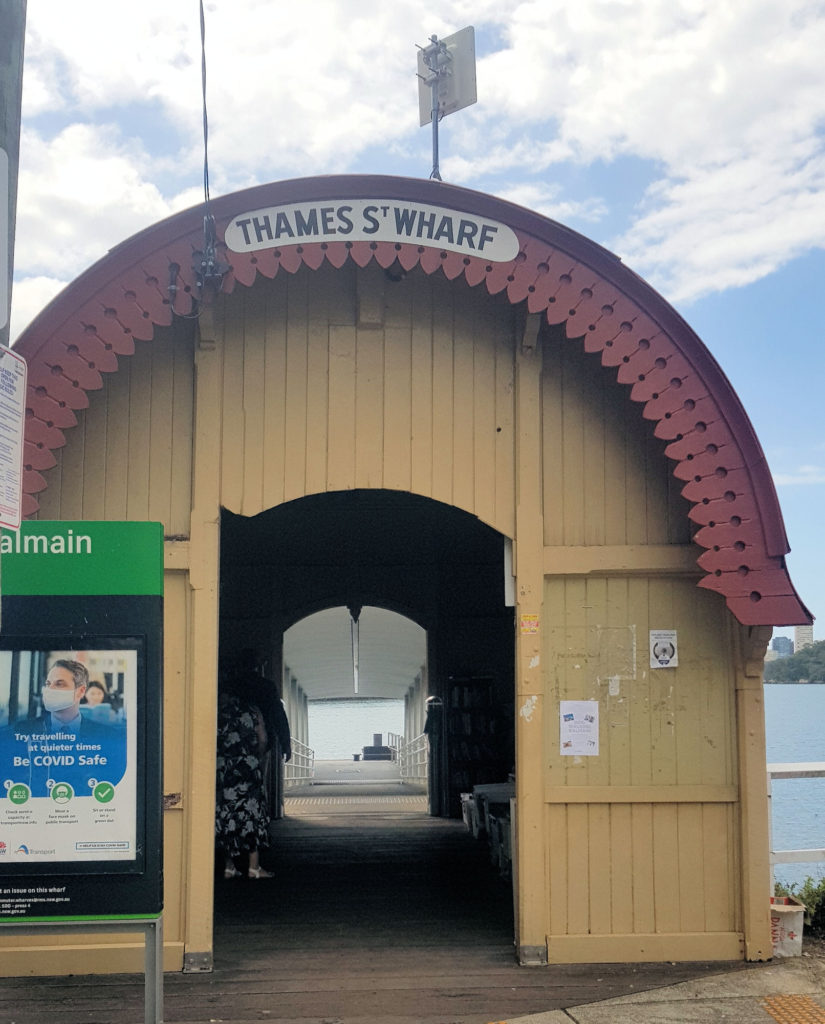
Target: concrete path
790 991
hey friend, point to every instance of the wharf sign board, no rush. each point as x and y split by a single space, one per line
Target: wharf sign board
80 721
372 220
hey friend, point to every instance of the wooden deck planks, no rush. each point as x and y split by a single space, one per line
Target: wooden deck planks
377 915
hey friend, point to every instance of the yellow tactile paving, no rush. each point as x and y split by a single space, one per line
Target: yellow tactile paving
794 1010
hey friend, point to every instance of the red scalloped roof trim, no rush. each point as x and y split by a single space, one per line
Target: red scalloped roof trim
569 279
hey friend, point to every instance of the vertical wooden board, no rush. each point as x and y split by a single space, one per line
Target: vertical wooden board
636 506
616 663
93 482
160 430
254 363
575 427
691 686
484 413
641 832
275 391
317 399
615 465
341 423
422 410
175 625
116 483
579 873
505 442
296 439
735 878
398 427
641 765
692 844
664 685
666 881
557 894
50 498
183 412
621 869
140 422
719 752
597 768
442 397
463 401
72 462
551 440
554 660
174 880
600 876
658 491
369 408
594 447
720 895
232 410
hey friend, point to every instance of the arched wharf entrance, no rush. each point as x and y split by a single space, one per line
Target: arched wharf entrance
538 385
436 565
441 568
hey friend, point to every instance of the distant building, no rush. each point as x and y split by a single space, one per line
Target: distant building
803 637
783 645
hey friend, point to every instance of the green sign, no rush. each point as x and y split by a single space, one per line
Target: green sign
82 558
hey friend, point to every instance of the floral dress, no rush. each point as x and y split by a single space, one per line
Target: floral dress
241 811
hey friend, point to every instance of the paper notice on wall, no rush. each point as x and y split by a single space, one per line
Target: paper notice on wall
664 648
579 727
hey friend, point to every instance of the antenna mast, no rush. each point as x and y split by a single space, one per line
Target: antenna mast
446 81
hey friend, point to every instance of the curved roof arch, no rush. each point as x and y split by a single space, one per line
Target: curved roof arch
556 272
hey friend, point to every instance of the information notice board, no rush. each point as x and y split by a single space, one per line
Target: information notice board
80 721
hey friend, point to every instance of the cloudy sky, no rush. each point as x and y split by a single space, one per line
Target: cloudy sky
684 135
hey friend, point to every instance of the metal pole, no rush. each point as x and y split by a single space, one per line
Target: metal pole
436 173
153 981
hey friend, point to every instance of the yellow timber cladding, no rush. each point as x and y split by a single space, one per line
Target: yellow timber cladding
332 380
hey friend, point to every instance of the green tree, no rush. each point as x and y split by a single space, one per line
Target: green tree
807 665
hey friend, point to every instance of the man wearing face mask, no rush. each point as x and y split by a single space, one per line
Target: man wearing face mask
62 746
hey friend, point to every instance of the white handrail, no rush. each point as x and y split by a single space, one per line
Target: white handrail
790 770
413 758
301 765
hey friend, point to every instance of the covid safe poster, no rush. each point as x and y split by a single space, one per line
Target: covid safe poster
80 720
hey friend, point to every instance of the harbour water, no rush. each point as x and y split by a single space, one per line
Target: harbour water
340 728
795 731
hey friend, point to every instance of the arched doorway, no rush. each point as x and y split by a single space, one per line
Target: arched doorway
438 566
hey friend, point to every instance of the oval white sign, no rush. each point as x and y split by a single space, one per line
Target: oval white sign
372 220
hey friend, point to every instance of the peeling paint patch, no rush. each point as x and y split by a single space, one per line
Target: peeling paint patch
534 661
528 707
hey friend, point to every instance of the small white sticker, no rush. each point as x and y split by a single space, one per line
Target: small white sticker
664 648
613 685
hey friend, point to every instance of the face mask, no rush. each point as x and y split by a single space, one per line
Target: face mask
57 700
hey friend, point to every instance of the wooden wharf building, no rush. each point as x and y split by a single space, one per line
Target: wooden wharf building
456 390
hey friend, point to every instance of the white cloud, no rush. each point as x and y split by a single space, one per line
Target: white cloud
79 194
546 199
29 296
804 475
725 98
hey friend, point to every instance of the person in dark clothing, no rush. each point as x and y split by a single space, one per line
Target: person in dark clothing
243 679
241 811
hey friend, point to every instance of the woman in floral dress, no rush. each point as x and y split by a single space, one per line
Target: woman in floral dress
241 811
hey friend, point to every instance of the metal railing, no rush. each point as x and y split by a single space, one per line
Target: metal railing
395 741
413 758
301 766
801 770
